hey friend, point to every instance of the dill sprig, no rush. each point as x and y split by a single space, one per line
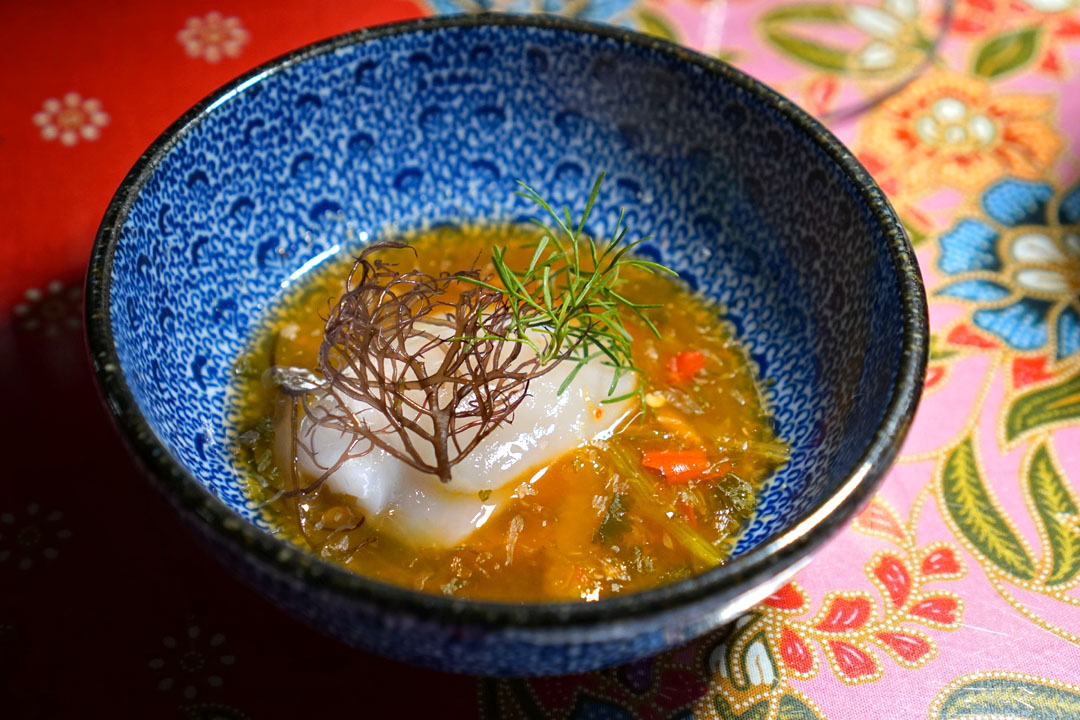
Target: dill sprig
568 294
442 369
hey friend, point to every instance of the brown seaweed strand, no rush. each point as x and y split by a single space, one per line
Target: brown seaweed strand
433 361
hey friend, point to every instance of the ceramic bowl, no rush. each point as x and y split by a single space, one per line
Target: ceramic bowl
749 199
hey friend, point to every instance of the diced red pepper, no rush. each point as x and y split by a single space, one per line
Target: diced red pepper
677 466
685 365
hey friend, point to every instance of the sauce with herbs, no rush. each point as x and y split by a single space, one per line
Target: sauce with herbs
661 499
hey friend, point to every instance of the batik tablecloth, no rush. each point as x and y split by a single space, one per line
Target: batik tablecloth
954 594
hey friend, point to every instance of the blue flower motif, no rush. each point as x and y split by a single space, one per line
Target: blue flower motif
1019 265
594 10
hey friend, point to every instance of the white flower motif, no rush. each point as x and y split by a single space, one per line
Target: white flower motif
58 308
756 661
213 37
1056 270
952 123
71 118
759 666
875 22
889 27
32 536
190 662
877 55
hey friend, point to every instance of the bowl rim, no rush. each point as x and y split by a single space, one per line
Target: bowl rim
730 583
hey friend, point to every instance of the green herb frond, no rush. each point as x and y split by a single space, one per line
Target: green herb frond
568 292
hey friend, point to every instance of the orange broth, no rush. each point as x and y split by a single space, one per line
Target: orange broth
598 522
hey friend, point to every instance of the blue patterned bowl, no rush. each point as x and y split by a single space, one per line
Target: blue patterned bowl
753 202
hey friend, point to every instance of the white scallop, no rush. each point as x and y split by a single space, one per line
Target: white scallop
949 110
1044 281
1072 244
410 504
1036 248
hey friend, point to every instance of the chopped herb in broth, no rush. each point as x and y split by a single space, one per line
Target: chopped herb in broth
623 461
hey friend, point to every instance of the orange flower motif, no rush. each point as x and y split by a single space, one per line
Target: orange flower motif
947 129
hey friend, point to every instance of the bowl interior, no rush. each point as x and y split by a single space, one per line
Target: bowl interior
403 130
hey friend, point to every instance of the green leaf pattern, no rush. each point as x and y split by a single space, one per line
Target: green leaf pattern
969 503
792 708
757 711
1004 696
1004 53
810 52
1055 506
655 24
779 27
1053 404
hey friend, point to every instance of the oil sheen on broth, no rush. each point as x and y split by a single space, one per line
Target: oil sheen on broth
647 493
